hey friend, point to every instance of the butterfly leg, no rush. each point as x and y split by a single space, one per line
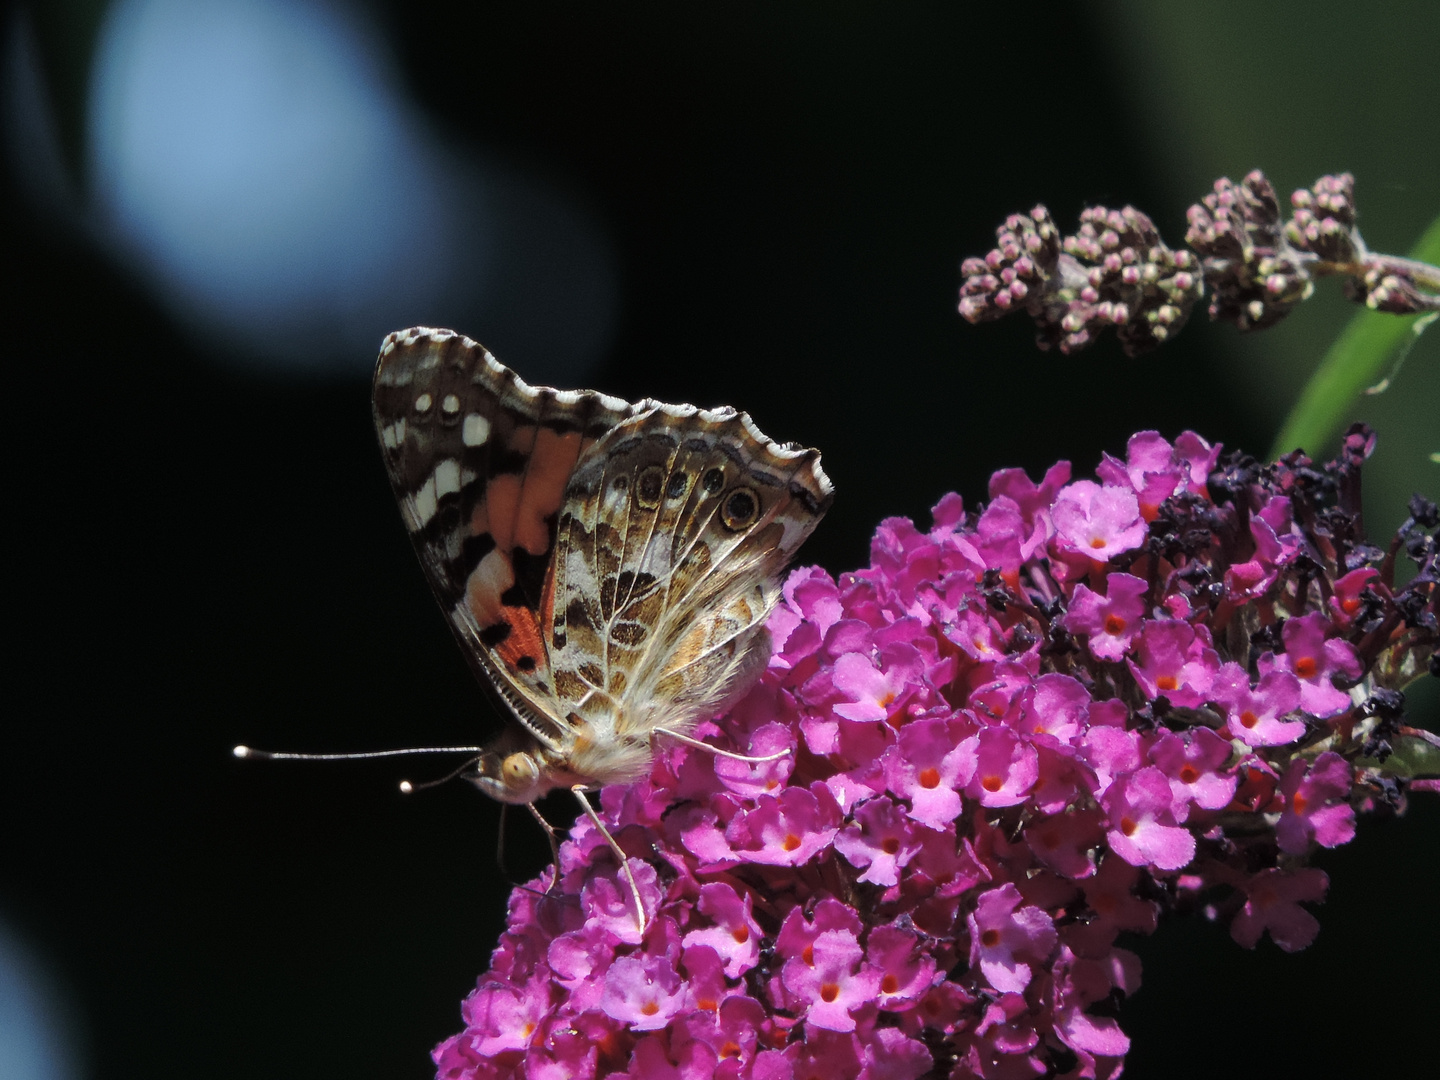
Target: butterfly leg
579 791
552 836
699 745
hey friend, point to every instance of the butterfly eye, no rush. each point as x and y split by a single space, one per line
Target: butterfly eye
740 509
648 486
678 485
713 480
519 771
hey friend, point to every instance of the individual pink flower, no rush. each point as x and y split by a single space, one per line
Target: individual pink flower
1257 716
880 840
735 935
1063 842
1078 982
1195 764
786 830
1005 937
1317 804
829 982
906 971
1348 599
1150 469
890 1054
643 992
1174 660
1143 830
1272 903
509 1016
925 768
874 693
1316 661
1100 522
999 768
1110 621
1111 896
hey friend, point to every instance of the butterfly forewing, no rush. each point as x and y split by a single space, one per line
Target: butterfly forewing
608 567
479 462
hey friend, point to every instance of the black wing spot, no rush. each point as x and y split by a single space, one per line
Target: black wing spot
491 636
678 485
741 508
526 663
648 486
713 480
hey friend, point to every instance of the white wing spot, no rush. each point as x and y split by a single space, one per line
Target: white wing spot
425 504
393 435
451 405
475 431
447 478
423 403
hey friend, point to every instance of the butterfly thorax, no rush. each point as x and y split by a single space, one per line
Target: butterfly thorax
591 753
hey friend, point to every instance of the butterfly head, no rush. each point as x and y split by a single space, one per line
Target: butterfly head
514 777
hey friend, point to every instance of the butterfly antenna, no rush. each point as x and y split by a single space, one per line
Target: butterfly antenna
282 755
406 786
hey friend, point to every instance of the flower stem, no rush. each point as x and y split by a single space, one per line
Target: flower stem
1359 357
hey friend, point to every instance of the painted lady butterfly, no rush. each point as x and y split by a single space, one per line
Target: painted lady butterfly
607 567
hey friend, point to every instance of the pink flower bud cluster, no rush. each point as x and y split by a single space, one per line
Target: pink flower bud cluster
1011 738
1116 272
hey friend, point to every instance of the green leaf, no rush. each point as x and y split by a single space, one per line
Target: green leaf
1360 357
1412 757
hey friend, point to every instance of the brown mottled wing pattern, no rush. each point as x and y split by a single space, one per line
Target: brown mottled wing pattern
480 464
675 529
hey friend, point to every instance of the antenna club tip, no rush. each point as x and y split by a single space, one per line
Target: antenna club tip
241 751
406 787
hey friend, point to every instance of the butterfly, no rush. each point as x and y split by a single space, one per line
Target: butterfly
607 567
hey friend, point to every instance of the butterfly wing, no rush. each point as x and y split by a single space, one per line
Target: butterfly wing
676 527
480 463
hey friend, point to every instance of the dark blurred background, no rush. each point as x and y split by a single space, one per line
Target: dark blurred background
213 212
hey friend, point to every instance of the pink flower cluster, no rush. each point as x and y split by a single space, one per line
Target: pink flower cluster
1011 738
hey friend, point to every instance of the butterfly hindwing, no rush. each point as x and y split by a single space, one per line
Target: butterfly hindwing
676 527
